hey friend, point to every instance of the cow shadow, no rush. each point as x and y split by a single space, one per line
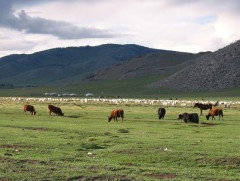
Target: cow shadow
210 124
73 116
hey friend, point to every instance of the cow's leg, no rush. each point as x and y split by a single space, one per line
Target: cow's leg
201 112
220 115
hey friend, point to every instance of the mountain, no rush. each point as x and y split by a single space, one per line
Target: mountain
118 68
158 63
214 71
65 65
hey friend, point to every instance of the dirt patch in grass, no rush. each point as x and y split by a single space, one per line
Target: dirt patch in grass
123 131
101 178
31 162
14 146
3 179
30 128
107 134
162 176
127 152
6 160
129 164
228 161
91 146
231 161
36 128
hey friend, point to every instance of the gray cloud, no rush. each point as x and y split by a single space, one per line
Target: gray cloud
223 5
36 25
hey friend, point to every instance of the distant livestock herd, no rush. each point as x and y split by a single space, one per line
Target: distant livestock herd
119 113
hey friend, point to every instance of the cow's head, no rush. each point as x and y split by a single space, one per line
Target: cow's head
195 105
207 117
109 118
180 116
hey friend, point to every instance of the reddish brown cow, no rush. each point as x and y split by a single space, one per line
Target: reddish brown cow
215 112
115 114
55 110
30 109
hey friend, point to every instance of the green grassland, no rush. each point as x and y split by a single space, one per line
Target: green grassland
130 88
82 145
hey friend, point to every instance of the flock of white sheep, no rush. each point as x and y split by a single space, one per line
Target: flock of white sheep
166 103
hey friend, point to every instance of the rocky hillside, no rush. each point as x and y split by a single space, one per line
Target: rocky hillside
160 63
218 70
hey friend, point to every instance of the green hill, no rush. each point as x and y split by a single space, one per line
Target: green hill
161 64
64 65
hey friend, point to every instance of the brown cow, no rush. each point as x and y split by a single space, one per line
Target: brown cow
215 112
202 106
115 114
30 109
55 110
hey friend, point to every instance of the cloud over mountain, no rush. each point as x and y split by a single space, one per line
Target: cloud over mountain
21 21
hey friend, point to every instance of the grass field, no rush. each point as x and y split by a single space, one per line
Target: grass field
82 145
132 88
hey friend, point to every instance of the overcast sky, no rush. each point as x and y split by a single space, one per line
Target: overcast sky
28 26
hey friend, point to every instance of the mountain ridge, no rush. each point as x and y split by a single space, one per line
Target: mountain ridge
144 67
70 63
216 71
157 63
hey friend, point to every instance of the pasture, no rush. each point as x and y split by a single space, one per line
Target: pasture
82 145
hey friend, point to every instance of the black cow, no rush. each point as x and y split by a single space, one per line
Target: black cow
161 113
55 110
189 117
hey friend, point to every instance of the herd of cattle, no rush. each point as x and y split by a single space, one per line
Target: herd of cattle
119 113
51 108
193 117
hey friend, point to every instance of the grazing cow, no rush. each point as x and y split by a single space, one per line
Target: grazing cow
30 109
215 112
161 113
189 117
203 106
115 114
55 110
